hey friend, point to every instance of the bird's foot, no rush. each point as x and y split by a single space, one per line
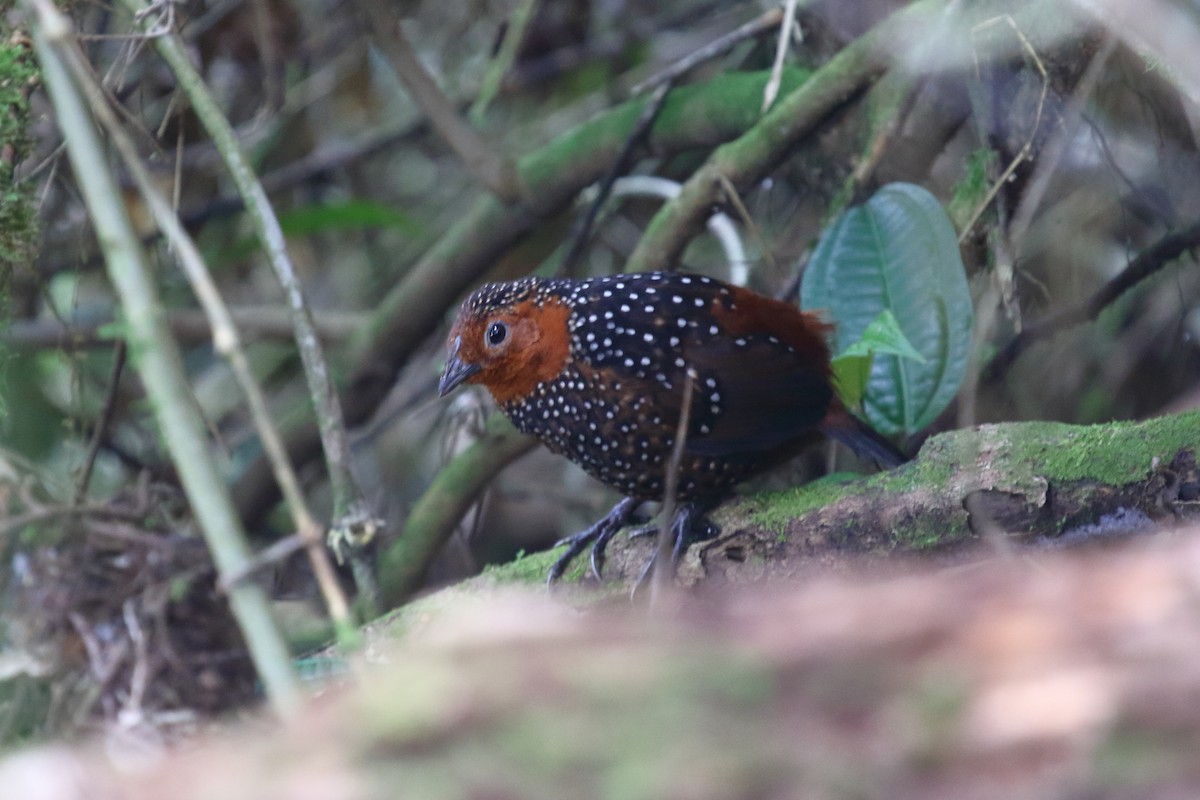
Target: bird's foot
597 536
689 525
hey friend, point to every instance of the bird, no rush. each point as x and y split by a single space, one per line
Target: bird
599 369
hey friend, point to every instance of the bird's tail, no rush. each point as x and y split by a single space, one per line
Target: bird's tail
866 442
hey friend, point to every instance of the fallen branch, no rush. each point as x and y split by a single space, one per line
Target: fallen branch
1031 481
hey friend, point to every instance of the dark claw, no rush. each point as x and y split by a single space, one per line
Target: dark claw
597 535
644 530
687 520
599 547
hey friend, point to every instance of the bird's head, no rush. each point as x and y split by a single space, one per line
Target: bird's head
509 337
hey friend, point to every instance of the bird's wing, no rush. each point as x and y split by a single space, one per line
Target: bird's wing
765 395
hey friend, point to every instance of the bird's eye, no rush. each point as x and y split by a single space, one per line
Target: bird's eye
497 332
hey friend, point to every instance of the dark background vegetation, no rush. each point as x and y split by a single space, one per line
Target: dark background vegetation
1065 151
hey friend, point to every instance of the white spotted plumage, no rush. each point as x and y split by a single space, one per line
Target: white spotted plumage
630 337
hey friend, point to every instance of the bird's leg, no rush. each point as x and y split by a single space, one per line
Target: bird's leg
597 536
598 548
687 518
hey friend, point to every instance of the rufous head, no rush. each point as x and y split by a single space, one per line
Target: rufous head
508 337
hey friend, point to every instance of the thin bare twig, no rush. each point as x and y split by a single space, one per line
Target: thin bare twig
156 355
518 26
1048 161
106 415
735 197
619 167
131 714
187 325
791 290
1148 262
266 35
663 575
42 513
226 341
771 91
1026 151
492 169
866 167
722 44
277 552
351 511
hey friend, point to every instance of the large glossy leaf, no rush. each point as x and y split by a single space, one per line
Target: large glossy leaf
897 252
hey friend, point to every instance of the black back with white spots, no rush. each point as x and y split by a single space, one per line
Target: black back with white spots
614 408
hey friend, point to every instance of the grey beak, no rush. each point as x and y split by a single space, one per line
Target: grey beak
455 373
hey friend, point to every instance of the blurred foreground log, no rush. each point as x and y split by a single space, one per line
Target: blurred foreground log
1073 676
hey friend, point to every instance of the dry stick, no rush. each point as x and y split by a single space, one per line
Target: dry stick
1148 262
878 147
352 520
278 551
785 37
106 415
791 290
158 359
663 574
490 168
265 30
227 342
16 522
140 674
619 167
987 314
755 27
1026 151
735 197
188 325
1047 164
518 26
1012 234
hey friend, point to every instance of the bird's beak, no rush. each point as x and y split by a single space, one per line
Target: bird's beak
456 372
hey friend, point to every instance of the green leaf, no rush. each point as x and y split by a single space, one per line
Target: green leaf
852 367
113 330
343 216
348 215
850 374
898 253
884 336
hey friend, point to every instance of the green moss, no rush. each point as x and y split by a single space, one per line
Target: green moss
1021 457
692 115
18 223
18 226
1114 453
970 191
773 510
532 568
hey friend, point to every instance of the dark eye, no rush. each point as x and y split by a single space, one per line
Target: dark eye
497 332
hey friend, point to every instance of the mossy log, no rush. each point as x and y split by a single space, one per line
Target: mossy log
1014 483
